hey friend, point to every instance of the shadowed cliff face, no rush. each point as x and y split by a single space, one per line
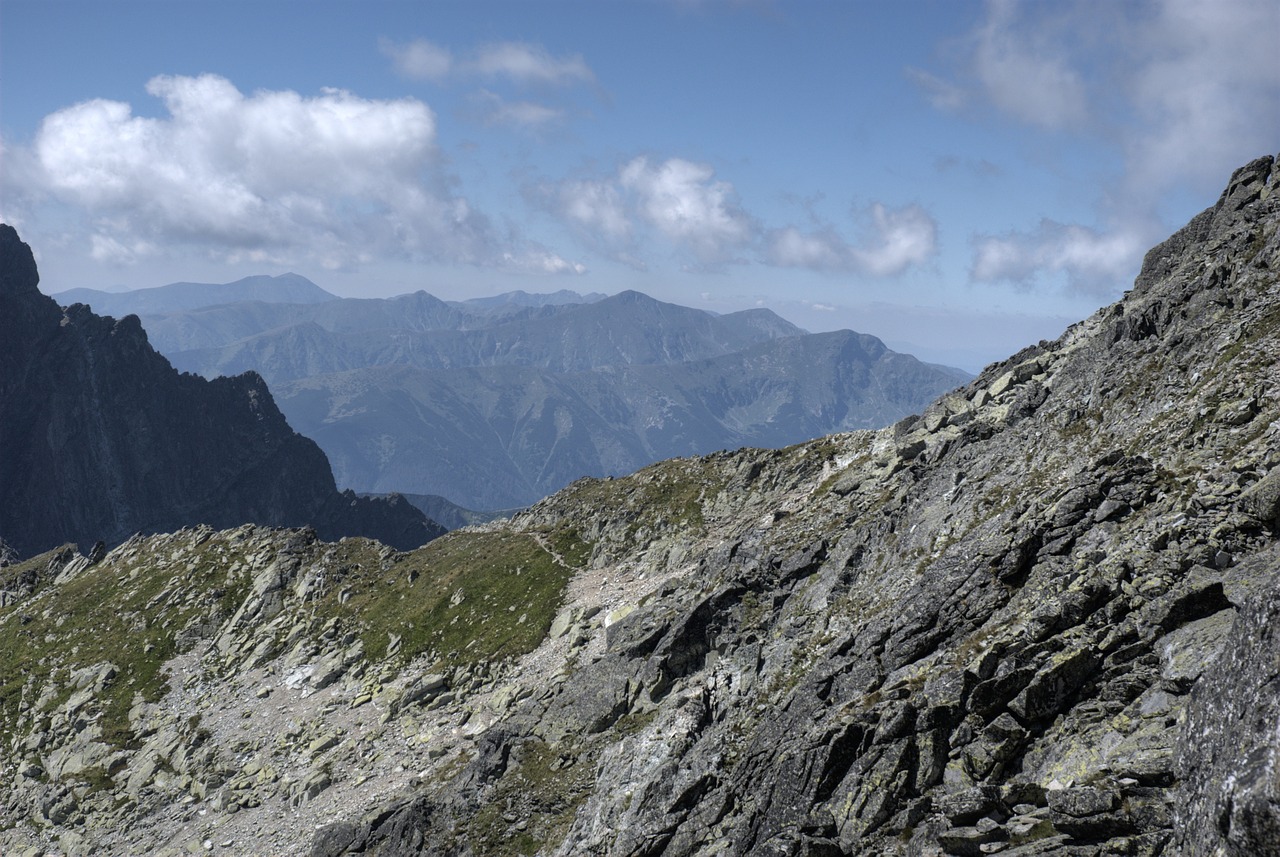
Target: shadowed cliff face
100 437
1037 619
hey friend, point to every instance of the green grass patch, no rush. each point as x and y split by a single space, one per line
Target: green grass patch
466 597
116 612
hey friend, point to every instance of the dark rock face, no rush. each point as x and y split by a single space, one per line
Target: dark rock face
101 438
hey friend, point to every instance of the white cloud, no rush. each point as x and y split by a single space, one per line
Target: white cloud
895 240
541 261
1179 91
820 251
526 63
496 110
333 178
678 200
418 59
942 94
1025 73
108 250
1207 91
519 62
1093 261
684 202
595 206
899 238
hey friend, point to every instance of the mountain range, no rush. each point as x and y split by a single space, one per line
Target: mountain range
1036 618
497 402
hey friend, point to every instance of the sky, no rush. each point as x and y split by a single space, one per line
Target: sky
958 178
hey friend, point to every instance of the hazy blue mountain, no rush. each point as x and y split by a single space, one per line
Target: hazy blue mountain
222 323
520 298
627 328
496 402
527 432
286 288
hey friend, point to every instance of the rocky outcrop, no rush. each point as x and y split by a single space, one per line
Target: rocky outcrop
100 438
1033 620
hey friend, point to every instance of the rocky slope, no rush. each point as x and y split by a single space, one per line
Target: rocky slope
100 437
1036 619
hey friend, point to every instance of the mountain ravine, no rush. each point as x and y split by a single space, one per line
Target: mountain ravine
1036 619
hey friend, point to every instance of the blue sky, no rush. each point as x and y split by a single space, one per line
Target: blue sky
958 178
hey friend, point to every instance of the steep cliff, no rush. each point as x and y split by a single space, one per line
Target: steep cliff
100 437
1036 619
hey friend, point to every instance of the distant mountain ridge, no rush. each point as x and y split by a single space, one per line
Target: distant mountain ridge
288 342
175 297
100 438
497 402
528 431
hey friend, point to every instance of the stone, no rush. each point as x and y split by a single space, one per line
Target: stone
1081 801
1261 501
966 806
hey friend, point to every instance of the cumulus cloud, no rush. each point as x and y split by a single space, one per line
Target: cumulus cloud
596 206
685 203
899 238
821 251
894 240
1093 261
1181 91
681 201
333 178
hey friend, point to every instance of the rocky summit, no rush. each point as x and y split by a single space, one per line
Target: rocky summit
1036 619
101 438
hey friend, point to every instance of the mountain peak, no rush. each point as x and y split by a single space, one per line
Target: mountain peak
631 296
18 274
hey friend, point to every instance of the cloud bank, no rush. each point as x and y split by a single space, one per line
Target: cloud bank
685 205
272 176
